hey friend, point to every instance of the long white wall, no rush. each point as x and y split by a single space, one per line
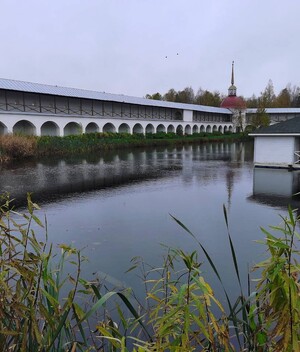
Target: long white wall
61 125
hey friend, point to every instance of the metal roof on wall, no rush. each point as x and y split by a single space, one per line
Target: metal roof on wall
30 87
276 111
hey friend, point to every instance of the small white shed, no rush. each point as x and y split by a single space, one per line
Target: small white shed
278 145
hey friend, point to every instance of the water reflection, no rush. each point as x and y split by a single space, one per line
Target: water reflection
116 205
53 178
276 187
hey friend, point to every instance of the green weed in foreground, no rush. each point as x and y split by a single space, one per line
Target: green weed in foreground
42 309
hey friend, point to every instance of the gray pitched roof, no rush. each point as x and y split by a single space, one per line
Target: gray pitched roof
30 87
291 126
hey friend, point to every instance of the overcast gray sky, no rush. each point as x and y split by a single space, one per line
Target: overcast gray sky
131 46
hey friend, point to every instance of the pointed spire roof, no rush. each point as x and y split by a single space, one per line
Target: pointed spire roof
232 101
232 88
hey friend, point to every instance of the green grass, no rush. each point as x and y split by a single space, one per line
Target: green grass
17 147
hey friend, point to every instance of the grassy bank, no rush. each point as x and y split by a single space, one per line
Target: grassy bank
17 146
43 308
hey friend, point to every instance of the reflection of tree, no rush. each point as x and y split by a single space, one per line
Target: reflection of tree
229 185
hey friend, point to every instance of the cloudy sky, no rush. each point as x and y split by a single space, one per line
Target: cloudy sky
136 47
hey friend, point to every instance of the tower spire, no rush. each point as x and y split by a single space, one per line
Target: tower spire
232 88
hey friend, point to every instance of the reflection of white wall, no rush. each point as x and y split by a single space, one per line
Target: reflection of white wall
278 182
274 150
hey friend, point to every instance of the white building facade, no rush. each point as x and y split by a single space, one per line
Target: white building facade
36 109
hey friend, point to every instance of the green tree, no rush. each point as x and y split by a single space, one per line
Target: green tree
205 97
268 96
186 95
155 96
283 100
260 119
252 102
171 95
295 95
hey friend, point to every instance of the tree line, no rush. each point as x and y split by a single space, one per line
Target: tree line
288 97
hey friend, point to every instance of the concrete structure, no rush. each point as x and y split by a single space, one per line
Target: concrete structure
37 109
278 145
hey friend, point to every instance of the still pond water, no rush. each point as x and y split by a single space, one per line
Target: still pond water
117 204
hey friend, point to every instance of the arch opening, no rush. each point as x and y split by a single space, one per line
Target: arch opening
109 127
3 129
150 128
208 129
49 128
72 128
215 128
220 129
188 129
92 127
160 128
171 129
225 129
138 128
124 128
24 127
202 129
179 130
195 129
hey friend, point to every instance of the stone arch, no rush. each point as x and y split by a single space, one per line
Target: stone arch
202 128
208 128
215 128
171 129
160 128
92 127
150 128
137 128
195 129
124 128
109 127
187 129
72 128
220 129
3 129
230 128
225 129
179 130
25 127
49 128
